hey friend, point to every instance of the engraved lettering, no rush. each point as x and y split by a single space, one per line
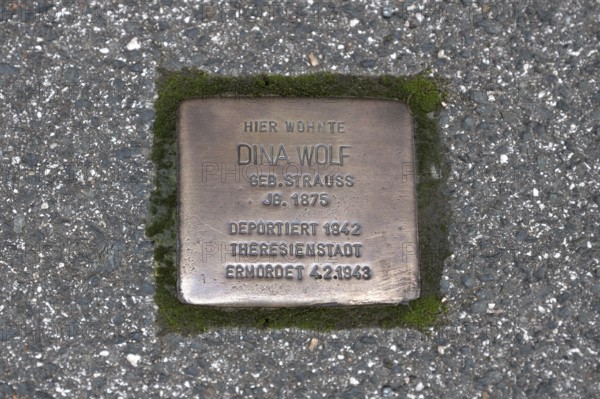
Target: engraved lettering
244 154
262 126
299 249
309 126
239 271
296 189
305 156
278 271
272 228
261 154
289 272
322 154
321 157
269 271
299 269
289 126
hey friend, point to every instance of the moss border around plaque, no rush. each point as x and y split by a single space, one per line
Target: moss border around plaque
424 96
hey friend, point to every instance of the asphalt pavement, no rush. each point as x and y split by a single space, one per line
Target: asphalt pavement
521 128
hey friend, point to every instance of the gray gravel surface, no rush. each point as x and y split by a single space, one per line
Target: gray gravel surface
522 131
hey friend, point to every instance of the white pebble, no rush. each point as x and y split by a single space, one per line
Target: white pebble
442 55
312 345
312 58
133 359
133 44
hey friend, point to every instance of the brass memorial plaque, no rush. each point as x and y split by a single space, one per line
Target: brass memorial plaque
299 202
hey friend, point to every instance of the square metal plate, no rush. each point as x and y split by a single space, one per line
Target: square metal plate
296 202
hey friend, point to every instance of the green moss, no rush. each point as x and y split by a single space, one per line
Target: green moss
421 93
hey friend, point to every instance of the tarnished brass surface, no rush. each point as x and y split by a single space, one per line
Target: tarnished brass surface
261 222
